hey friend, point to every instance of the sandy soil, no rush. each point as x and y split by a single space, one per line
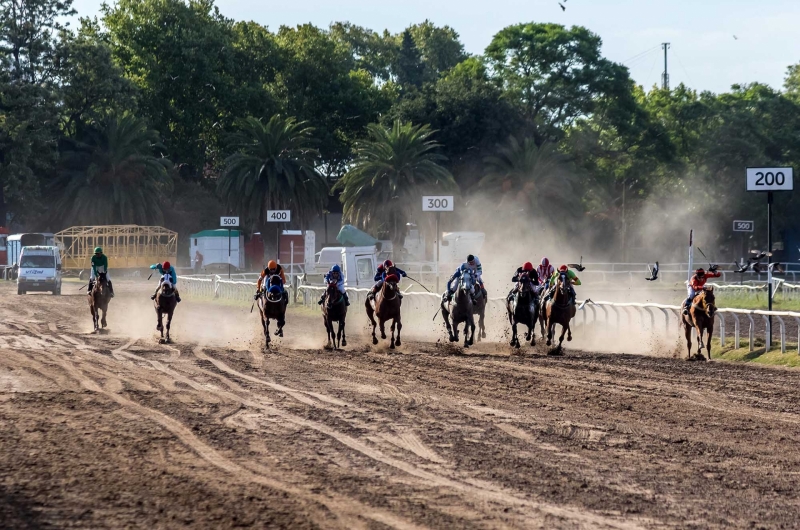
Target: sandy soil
116 430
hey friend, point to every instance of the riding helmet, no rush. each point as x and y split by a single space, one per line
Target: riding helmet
388 263
336 268
98 250
528 266
166 265
470 258
545 262
700 272
272 265
563 268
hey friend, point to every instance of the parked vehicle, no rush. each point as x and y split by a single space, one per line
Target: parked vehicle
39 270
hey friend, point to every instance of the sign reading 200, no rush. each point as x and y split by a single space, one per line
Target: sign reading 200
770 179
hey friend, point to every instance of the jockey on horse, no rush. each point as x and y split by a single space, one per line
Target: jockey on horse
545 271
380 277
166 268
473 264
335 276
99 264
272 269
553 281
697 283
527 270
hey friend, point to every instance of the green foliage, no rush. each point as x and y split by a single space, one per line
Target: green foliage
391 171
272 167
110 174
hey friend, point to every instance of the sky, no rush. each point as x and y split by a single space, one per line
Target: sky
713 43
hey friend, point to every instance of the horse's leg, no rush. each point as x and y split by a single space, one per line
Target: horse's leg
699 340
328 331
687 330
371 315
469 330
564 329
383 327
514 338
399 327
569 330
446 317
550 330
169 322
339 334
708 343
482 322
342 323
265 321
160 323
394 324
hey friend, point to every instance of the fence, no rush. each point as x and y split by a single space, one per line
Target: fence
650 316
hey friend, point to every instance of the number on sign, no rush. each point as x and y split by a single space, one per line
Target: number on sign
770 179
438 203
278 216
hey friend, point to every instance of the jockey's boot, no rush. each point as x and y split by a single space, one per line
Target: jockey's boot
321 300
346 299
153 297
686 306
177 296
285 295
91 286
111 288
255 296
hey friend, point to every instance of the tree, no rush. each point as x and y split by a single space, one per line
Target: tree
532 180
390 172
272 167
792 81
553 75
408 68
439 48
111 175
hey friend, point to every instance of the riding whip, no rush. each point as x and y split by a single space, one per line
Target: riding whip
418 282
82 287
151 275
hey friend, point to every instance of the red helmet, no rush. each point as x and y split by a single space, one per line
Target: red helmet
528 266
563 268
545 262
700 272
381 267
166 265
388 263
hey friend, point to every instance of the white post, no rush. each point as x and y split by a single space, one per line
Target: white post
291 258
691 255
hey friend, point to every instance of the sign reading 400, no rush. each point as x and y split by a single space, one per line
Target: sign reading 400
770 179
279 216
437 203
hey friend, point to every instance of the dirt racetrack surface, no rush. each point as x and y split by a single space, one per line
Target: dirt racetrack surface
212 431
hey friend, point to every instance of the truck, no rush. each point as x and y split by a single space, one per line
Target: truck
456 246
39 269
15 243
219 248
358 264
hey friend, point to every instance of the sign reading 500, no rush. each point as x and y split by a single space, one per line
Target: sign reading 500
770 179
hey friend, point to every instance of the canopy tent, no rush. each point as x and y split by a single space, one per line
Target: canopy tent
350 236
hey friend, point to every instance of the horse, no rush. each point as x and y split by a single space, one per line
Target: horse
479 308
99 298
272 306
387 307
334 310
462 310
523 308
165 303
560 310
701 319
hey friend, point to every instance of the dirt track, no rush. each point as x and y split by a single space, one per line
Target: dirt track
211 432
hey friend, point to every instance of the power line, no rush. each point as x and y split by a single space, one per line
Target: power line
688 77
626 61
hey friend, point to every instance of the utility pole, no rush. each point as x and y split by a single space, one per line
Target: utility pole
665 75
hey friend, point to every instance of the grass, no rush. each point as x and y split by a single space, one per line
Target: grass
758 355
757 301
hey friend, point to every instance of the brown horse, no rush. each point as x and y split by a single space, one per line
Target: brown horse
387 307
165 304
99 297
560 310
701 319
479 309
334 310
272 306
461 310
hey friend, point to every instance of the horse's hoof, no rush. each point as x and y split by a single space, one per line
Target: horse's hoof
569 338
549 343
383 335
344 342
517 345
391 346
280 334
483 334
453 339
398 342
375 341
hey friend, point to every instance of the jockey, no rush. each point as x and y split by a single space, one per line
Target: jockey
545 270
477 271
272 269
553 281
452 284
380 277
697 283
335 275
99 264
527 270
166 268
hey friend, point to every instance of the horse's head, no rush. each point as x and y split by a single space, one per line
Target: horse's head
332 293
275 280
467 280
709 298
167 289
102 280
563 282
525 282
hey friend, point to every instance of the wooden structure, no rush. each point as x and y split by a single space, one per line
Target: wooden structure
127 246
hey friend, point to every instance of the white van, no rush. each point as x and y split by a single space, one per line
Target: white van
39 270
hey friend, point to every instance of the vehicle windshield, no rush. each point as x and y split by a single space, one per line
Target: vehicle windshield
38 262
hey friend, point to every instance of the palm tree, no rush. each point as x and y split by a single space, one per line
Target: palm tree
111 175
390 173
529 178
273 167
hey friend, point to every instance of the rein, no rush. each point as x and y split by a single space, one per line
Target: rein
383 294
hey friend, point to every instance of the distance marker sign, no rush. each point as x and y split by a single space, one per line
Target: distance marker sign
437 203
770 179
743 226
279 216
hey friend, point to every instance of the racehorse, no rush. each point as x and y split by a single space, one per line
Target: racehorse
387 307
701 319
523 308
479 308
461 309
560 310
165 303
99 299
272 306
334 310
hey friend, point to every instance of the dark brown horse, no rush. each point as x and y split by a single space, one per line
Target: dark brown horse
165 304
272 306
461 309
387 307
560 310
523 308
334 310
479 309
701 319
99 297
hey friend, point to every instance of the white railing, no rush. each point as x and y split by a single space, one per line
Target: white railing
614 315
